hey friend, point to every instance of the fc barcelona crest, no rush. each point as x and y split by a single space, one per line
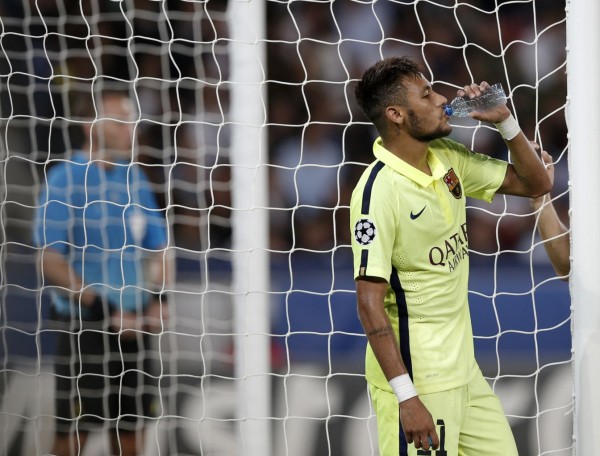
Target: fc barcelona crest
453 183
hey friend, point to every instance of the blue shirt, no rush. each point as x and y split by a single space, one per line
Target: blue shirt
104 221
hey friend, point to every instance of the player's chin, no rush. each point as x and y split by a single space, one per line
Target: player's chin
440 132
121 153
445 128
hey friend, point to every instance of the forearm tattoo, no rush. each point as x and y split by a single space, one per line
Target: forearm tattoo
381 332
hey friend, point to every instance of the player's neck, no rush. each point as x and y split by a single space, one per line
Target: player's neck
97 156
411 151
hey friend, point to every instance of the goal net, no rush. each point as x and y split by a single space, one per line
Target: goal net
248 132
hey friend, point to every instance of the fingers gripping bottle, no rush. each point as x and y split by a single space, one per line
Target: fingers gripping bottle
463 106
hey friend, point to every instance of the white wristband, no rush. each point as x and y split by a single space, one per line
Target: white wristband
403 387
508 128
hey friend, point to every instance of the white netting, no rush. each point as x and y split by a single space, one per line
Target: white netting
175 59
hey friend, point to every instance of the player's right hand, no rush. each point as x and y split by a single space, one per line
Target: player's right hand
127 324
417 424
494 115
95 308
156 316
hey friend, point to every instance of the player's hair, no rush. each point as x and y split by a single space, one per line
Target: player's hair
382 84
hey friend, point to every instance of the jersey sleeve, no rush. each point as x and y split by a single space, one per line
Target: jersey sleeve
481 175
373 225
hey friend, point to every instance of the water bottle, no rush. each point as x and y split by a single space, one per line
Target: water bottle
490 98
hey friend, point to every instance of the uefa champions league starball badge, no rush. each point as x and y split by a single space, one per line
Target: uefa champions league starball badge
364 231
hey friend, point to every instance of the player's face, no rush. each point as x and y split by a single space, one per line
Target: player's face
426 118
114 132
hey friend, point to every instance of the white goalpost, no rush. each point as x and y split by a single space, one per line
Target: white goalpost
252 142
583 36
250 225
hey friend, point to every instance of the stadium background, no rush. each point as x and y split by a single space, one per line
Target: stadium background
317 335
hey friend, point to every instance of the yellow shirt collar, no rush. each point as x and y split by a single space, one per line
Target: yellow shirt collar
400 166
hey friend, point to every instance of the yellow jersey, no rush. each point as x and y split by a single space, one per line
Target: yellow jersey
409 228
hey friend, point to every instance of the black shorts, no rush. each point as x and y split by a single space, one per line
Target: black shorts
101 379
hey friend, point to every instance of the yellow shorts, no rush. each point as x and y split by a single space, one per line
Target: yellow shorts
469 421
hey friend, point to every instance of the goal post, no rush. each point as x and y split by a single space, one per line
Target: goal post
250 225
583 115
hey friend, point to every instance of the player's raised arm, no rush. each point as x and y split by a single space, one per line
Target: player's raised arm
526 175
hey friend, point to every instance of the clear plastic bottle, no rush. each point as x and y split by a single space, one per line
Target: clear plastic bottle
490 98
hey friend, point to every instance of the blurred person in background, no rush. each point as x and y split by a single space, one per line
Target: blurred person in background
411 263
102 237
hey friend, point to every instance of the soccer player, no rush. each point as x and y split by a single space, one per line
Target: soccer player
553 231
99 229
411 264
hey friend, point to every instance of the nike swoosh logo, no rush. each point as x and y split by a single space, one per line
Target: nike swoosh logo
414 216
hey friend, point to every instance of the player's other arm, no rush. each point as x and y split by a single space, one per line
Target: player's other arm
553 232
416 420
157 313
555 235
526 175
58 272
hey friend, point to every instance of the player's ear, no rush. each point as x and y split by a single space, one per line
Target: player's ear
395 114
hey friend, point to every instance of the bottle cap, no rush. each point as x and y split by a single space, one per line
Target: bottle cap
448 110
